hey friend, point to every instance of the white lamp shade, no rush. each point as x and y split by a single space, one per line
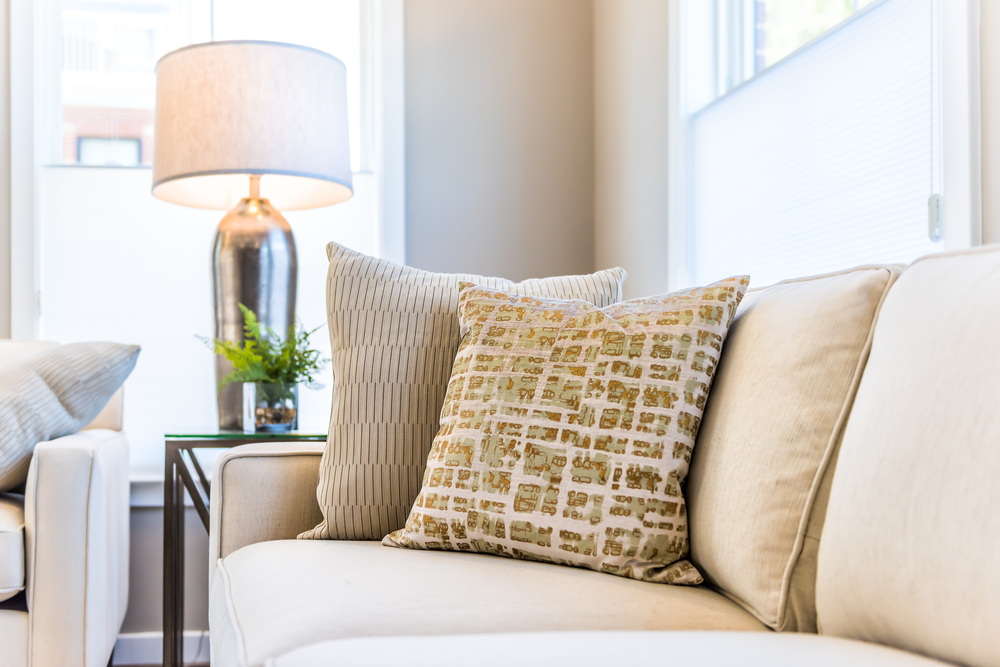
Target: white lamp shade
225 110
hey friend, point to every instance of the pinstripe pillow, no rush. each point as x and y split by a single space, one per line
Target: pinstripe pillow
394 333
54 392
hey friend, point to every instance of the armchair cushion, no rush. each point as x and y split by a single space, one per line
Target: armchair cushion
11 545
52 392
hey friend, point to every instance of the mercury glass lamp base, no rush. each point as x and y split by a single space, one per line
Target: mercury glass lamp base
254 264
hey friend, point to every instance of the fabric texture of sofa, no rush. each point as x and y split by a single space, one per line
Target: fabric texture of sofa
72 547
843 485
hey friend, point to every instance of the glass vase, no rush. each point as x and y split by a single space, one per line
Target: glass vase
276 407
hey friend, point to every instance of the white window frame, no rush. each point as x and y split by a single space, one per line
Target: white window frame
383 141
690 89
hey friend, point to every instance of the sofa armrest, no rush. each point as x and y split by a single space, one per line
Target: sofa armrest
263 492
77 528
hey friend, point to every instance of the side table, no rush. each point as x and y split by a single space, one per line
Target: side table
183 472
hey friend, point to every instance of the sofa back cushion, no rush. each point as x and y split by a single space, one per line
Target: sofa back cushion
910 555
782 392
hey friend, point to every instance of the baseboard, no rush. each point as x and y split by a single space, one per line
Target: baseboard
146 648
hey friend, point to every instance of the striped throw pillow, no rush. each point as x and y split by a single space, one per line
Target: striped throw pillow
54 392
394 332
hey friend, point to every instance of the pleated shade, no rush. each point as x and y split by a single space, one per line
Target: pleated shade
225 110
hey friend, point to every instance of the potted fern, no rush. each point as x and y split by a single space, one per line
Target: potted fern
273 367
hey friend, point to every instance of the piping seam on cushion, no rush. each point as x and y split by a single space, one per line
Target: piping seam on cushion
231 609
894 272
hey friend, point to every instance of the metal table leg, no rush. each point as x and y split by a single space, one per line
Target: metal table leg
173 561
177 477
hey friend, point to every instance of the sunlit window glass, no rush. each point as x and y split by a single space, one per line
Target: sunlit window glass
110 49
782 26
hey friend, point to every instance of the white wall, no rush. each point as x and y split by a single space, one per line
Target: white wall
499 136
631 107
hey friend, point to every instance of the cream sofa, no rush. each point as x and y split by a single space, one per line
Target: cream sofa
845 485
64 543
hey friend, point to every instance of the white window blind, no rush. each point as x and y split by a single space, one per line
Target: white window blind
826 160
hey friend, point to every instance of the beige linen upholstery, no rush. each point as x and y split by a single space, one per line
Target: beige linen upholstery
11 545
263 492
601 649
781 395
272 597
13 638
394 332
910 555
77 524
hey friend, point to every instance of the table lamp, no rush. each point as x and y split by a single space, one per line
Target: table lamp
234 121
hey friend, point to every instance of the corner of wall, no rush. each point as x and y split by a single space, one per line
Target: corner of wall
989 78
631 111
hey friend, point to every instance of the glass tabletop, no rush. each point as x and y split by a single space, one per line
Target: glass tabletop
240 435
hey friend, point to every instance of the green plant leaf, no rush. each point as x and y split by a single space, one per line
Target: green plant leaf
263 357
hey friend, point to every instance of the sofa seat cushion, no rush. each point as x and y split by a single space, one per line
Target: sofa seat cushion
272 597
599 649
13 638
11 545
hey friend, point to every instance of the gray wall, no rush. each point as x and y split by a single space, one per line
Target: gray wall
145 580
989 74
499 136
631 107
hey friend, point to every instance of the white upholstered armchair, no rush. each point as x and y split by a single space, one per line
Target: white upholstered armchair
64 546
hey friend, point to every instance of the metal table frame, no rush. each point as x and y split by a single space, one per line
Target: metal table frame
183 472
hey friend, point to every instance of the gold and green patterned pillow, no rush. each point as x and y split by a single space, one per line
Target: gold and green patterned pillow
567 430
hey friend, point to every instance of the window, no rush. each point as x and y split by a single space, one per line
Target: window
108 152
110 261
109 52
752 35
826 153
106 81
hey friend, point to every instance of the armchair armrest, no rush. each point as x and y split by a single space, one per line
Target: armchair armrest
77 530
263 492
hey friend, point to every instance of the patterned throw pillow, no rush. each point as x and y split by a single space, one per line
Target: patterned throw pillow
567 430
